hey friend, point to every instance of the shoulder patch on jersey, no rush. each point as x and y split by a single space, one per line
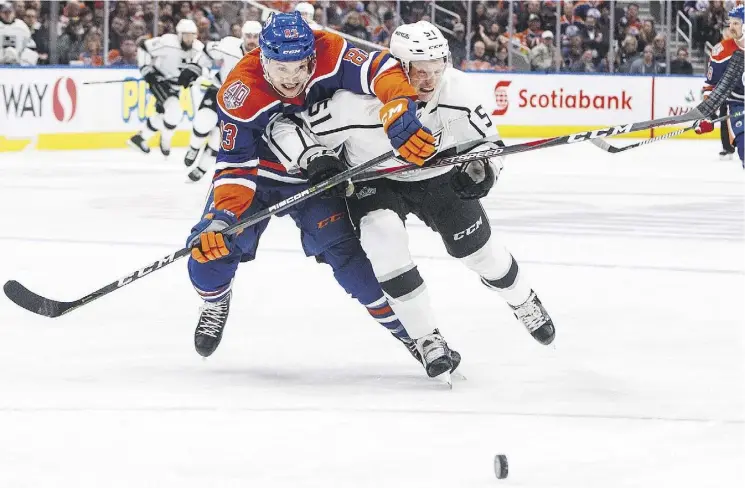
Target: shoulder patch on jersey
709 72
235 95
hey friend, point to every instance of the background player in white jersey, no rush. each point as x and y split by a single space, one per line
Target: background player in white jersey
446 199
307 12
16 45
228 52
167 62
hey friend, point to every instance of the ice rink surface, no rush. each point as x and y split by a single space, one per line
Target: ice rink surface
639 257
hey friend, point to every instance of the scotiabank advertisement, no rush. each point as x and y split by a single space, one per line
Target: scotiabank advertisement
564 100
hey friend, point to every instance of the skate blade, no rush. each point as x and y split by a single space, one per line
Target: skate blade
446 378
135 146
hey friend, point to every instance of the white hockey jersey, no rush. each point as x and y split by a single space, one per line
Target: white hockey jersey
16 45
165 54
352 122
229 50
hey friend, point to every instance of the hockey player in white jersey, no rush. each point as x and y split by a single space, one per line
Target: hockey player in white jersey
16 45
446 199
307 11
167 62
228 52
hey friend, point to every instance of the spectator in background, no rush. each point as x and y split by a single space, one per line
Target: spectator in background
491 37
93 54
585 63
501 59
572 53
236 31
646 64
479 60
627 54
121 11
681 65
383 32
646 33
630 20
545 56
458 44
39 34
532 8
128 53
117 32
531 37
220 26
185 11
70 43
204 31
137 30
353 26
659 50
595 37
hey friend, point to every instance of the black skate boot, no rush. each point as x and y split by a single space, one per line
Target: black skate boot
191 156
435 353
726 155
411 347
535 318
138 142
211 325
196 174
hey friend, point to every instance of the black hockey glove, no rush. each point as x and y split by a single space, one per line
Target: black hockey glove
189 74
323 167
474 180
151 74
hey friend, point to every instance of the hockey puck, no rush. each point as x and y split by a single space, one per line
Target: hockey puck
500 466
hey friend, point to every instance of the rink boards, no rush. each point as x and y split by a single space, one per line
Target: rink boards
53 108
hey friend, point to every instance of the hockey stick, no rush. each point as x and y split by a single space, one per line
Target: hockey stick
170 80
25 298
532 145
607 147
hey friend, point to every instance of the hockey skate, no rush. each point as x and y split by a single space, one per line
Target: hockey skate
435 355
726 155
165 145
196 174
535 318
211 325
138 142
191 156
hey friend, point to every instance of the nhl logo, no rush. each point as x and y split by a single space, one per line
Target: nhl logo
234 95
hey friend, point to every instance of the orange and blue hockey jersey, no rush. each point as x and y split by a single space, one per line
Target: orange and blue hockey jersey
247 103
718 63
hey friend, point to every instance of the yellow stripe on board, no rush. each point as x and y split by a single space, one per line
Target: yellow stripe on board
118 140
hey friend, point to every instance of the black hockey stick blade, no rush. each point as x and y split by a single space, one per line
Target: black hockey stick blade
25 298
608 147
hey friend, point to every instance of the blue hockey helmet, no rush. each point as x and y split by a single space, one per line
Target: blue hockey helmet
286 37
738 13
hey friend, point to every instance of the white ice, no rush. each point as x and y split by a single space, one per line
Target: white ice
638 257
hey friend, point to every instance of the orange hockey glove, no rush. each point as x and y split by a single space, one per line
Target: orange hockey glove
208 240
413 141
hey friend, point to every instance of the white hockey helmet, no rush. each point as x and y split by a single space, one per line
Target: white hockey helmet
186 26
421 41
306 11
251 27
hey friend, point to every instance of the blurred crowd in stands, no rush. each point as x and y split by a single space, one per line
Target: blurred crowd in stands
580 43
